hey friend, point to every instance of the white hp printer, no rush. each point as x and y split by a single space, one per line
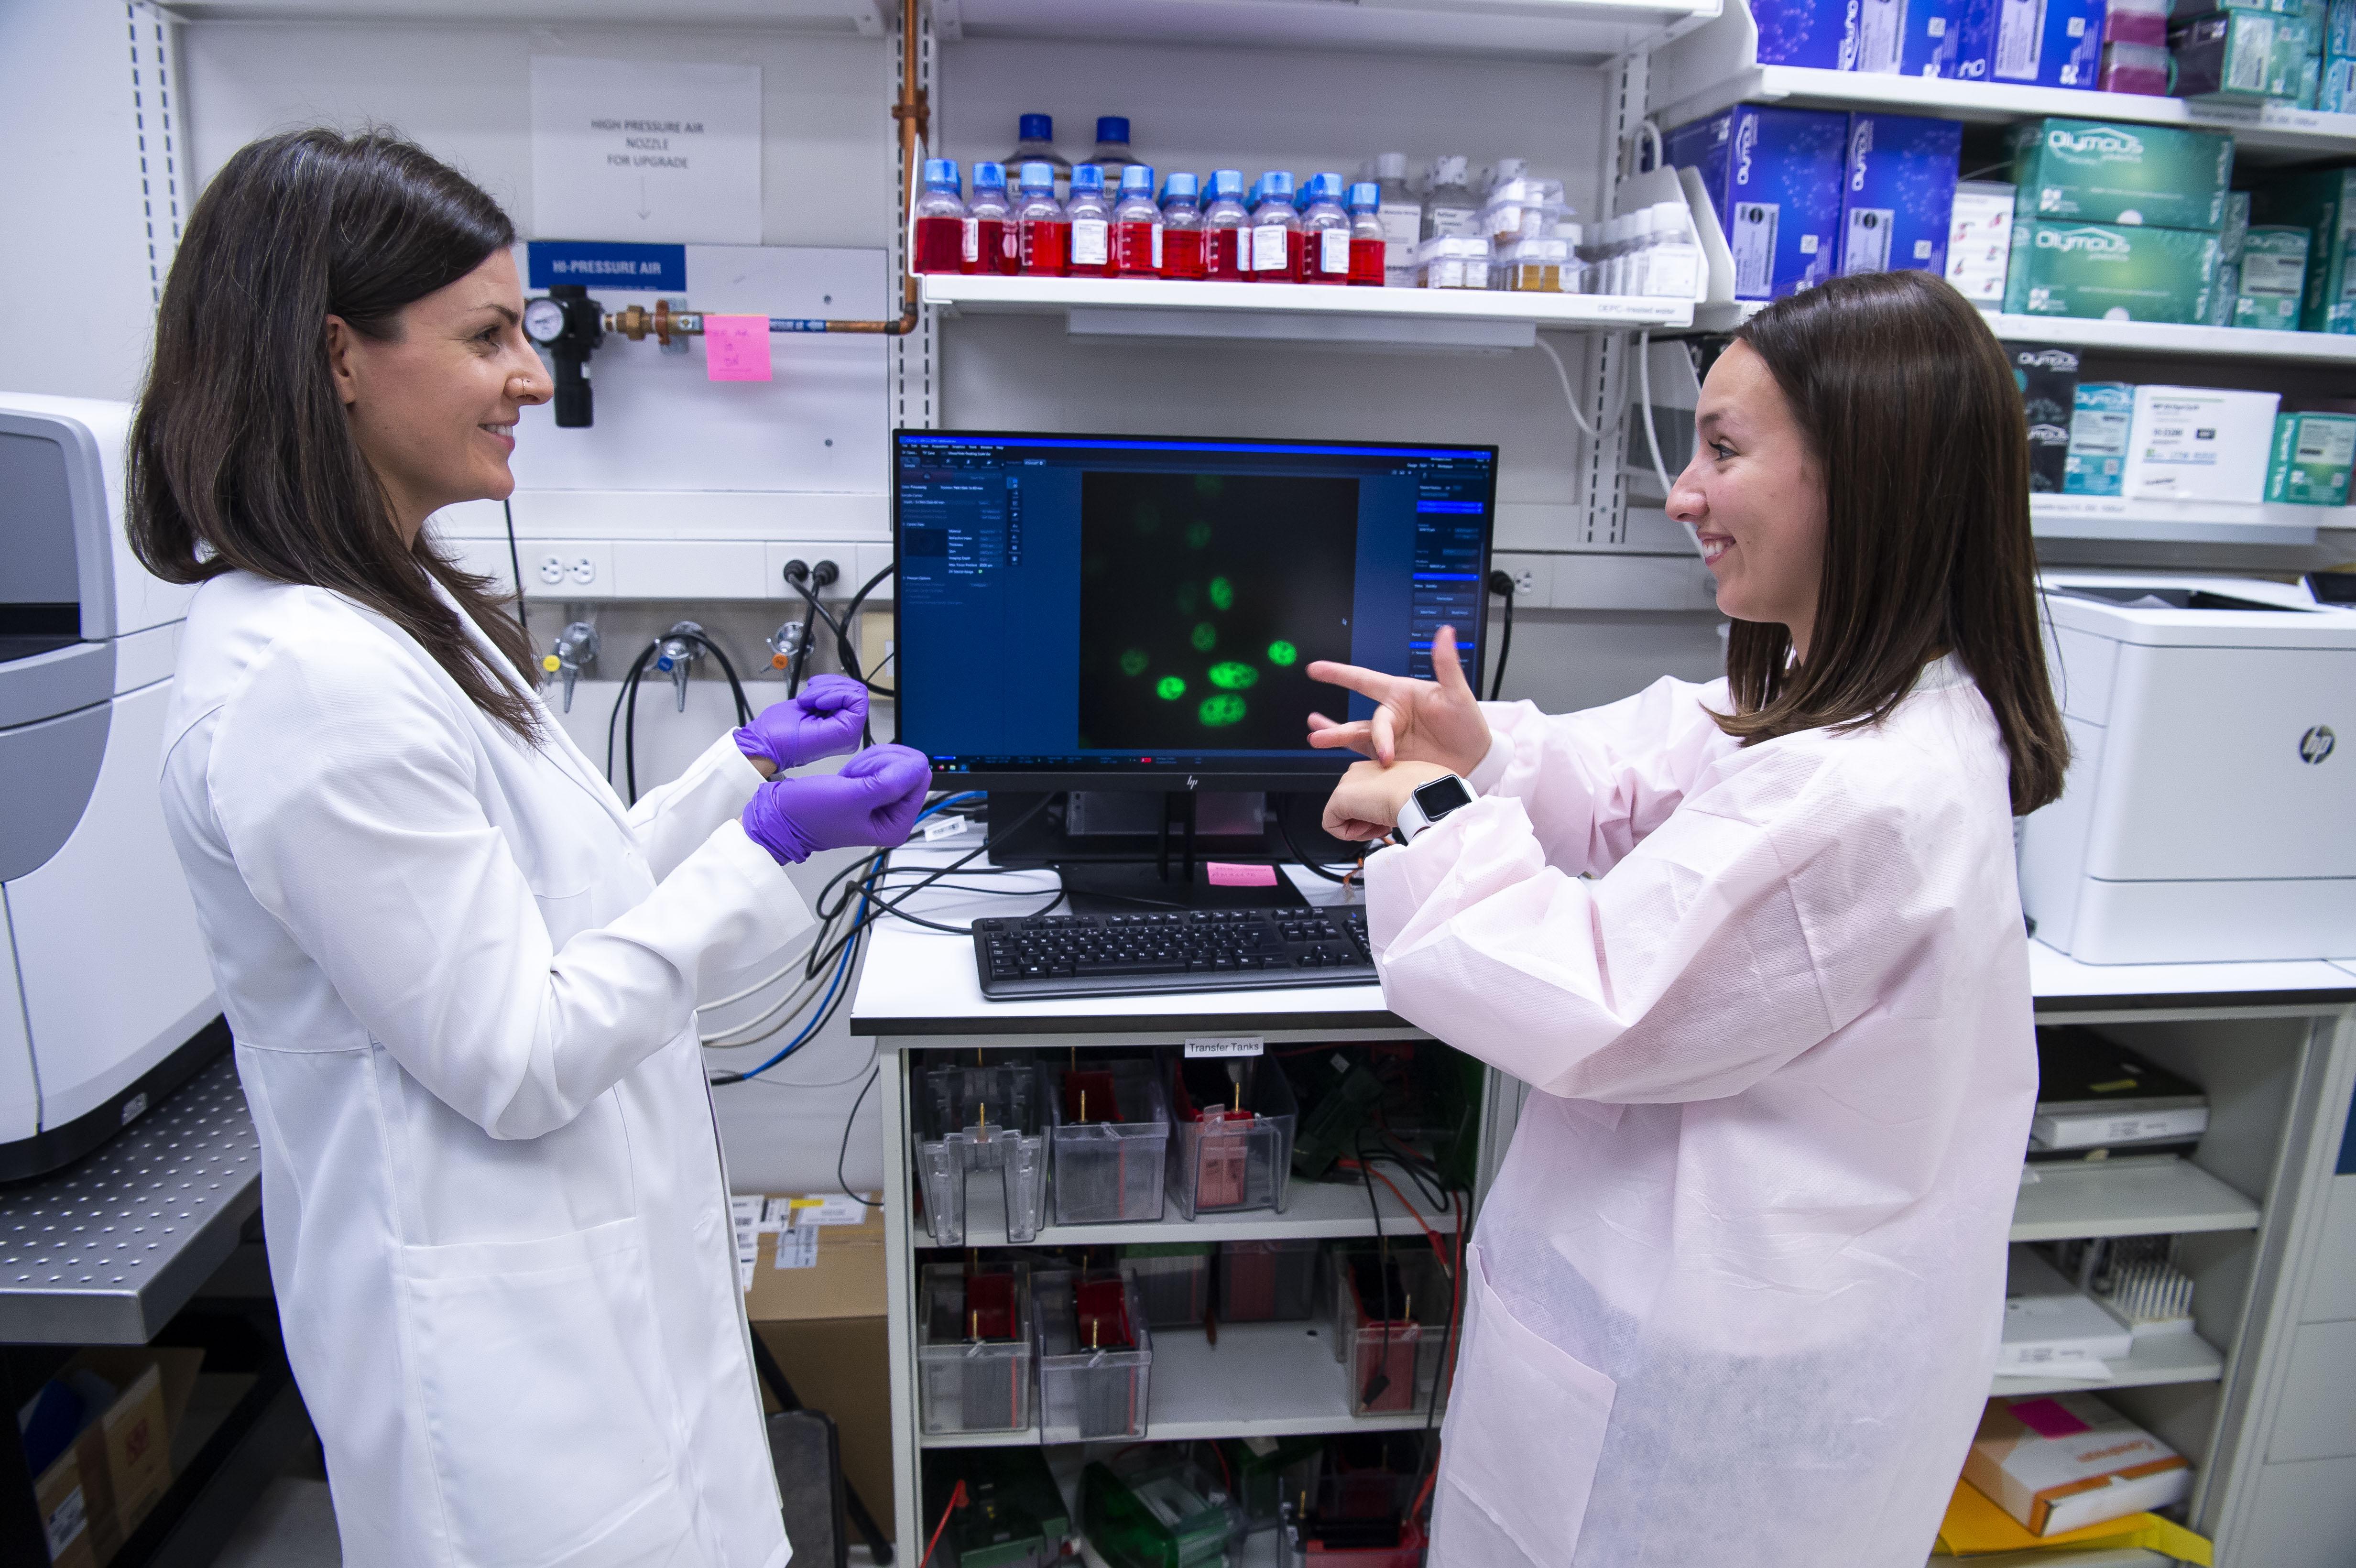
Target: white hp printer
106 1000
2210 812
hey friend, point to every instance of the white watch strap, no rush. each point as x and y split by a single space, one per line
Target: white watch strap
1411 820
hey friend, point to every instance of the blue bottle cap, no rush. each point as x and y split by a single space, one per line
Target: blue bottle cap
989 176
1257 193
1324 188
942 173
1276 185
1038 178
1137 180
1365 197
1181 188
1113 128
1227 184
1038 127
1087 177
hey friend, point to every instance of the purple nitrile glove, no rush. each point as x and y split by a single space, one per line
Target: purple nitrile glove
873 800
823 720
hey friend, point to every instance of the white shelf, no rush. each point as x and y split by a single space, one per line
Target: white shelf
2133 338
2127 1197
2183 522
1542 29
2060 1557
1261 1379
2179 1357
1315 1209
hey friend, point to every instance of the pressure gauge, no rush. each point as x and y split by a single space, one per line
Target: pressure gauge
543 320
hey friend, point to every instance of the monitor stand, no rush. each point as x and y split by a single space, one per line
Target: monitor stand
1138 886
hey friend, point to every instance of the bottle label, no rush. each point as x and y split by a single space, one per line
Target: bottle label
972 240
1402 222
1268 248
1090 246
1455 223
1334 253
1157 247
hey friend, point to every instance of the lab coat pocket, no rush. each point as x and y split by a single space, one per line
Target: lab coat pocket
1525 1433
553 1437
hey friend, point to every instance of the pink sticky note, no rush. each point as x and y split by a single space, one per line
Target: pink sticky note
736 347
2047 1417
1230 874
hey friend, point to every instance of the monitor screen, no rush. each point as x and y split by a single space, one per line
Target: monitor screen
1094 612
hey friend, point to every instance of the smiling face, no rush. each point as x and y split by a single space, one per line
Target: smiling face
433 406
1754 493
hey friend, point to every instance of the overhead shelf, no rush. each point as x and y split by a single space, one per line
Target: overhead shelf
1154 307
2183 1357
2126 1198
2181 522
1591 30
2156 337
1316 1209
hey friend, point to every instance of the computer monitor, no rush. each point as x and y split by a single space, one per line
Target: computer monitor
1095 612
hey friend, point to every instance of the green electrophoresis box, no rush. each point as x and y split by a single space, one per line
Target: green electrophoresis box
2096 172
2312 455
2113 272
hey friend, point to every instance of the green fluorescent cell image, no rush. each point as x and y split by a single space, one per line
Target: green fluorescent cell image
1170 688
1205 636
1198 534
1223 594
1282 653
1218 712
1134 662
1233 675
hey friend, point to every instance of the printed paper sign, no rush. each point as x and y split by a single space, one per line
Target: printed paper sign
834 1209
1225 1045
646 150
798 1247
736 347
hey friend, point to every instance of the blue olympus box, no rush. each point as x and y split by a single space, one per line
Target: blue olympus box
1899 193
1774 176
2045 43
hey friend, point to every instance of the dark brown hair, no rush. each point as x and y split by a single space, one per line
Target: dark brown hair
242 456
1909 404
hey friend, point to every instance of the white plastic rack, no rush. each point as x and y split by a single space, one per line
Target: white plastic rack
2182 522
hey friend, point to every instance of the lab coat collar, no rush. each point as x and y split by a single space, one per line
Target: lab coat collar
1942 673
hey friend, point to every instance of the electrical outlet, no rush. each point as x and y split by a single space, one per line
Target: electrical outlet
583 570
552 570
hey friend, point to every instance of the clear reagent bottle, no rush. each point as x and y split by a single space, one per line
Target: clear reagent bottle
1226 229
1137 225
1181 228
1091 220
1275 231
939 243
1043 234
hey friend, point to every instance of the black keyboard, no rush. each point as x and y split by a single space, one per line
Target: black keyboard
1194 950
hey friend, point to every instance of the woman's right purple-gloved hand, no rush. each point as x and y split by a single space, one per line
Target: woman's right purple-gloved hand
873 800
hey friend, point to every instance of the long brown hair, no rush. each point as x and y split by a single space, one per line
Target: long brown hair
242 456
1909 407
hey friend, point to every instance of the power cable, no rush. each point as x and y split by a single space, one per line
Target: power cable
1502 581
515 564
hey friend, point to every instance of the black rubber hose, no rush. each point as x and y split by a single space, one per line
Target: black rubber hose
1502 581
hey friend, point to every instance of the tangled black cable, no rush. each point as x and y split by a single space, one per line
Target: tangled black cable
625 701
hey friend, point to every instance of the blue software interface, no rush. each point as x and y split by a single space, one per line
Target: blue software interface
1068 602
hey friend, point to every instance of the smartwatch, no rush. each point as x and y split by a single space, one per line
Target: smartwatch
1430 803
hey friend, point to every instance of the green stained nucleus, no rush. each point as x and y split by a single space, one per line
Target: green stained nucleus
1134 662
1208 485
1205 636
1233 675
1282 653
1218 712
1223 594
1198 534
1170 688
1190 598
1148 520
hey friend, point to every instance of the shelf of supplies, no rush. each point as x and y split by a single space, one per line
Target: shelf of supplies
1316 1208
2183 1357
1310 313
2127 1197
1539 29
1261 1379
2181 522
2129 338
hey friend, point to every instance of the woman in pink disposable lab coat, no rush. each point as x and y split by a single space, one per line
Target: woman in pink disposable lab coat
1757 947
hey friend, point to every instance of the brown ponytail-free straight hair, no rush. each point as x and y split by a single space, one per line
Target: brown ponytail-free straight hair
1910 406
242 456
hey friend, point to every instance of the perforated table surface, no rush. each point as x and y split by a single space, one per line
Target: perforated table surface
105 1252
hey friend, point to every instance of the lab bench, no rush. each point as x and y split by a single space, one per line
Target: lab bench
2273 1045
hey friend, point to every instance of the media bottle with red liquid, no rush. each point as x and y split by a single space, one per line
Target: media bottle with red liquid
1366 236
1324 249
1226 228
1043 234
1181 228
1137 226
939 239
1275 231
1091 218
990 244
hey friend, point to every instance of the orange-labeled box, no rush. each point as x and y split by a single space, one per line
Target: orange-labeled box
119 1466
2061 1461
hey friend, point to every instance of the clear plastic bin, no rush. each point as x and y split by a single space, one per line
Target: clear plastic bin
1108 1157
1270 1473
1268 1282
1543 266
1388 1314
981 1119
1014 1517
974 1346
1174 1280
1158 1513
1452 262
1231 1135
1359 1505
1095 1355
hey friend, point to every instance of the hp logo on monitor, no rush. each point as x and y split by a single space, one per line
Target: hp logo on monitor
2316 744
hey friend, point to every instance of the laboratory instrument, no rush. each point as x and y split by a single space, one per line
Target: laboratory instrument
1095 1355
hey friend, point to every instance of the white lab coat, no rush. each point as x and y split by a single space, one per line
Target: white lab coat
462 980
1736 1293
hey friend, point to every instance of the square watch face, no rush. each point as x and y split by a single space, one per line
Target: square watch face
1441 797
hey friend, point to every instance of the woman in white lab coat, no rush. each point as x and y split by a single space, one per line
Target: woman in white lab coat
461 976
1757 949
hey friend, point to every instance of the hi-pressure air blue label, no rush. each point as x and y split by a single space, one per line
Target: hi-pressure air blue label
658 268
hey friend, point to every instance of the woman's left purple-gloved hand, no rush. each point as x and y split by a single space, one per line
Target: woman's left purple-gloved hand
824 721
873 800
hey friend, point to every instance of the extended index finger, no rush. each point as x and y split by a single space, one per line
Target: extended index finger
1366 682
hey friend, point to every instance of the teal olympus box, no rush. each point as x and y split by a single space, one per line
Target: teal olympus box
2272 279
2098 439
2324 204
2312 455
2095 172
2111 271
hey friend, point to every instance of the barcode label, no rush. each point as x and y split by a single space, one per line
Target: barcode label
1867 249
2020 35
1754 249
1881 35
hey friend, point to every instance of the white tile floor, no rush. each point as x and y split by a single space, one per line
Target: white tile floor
293 1525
